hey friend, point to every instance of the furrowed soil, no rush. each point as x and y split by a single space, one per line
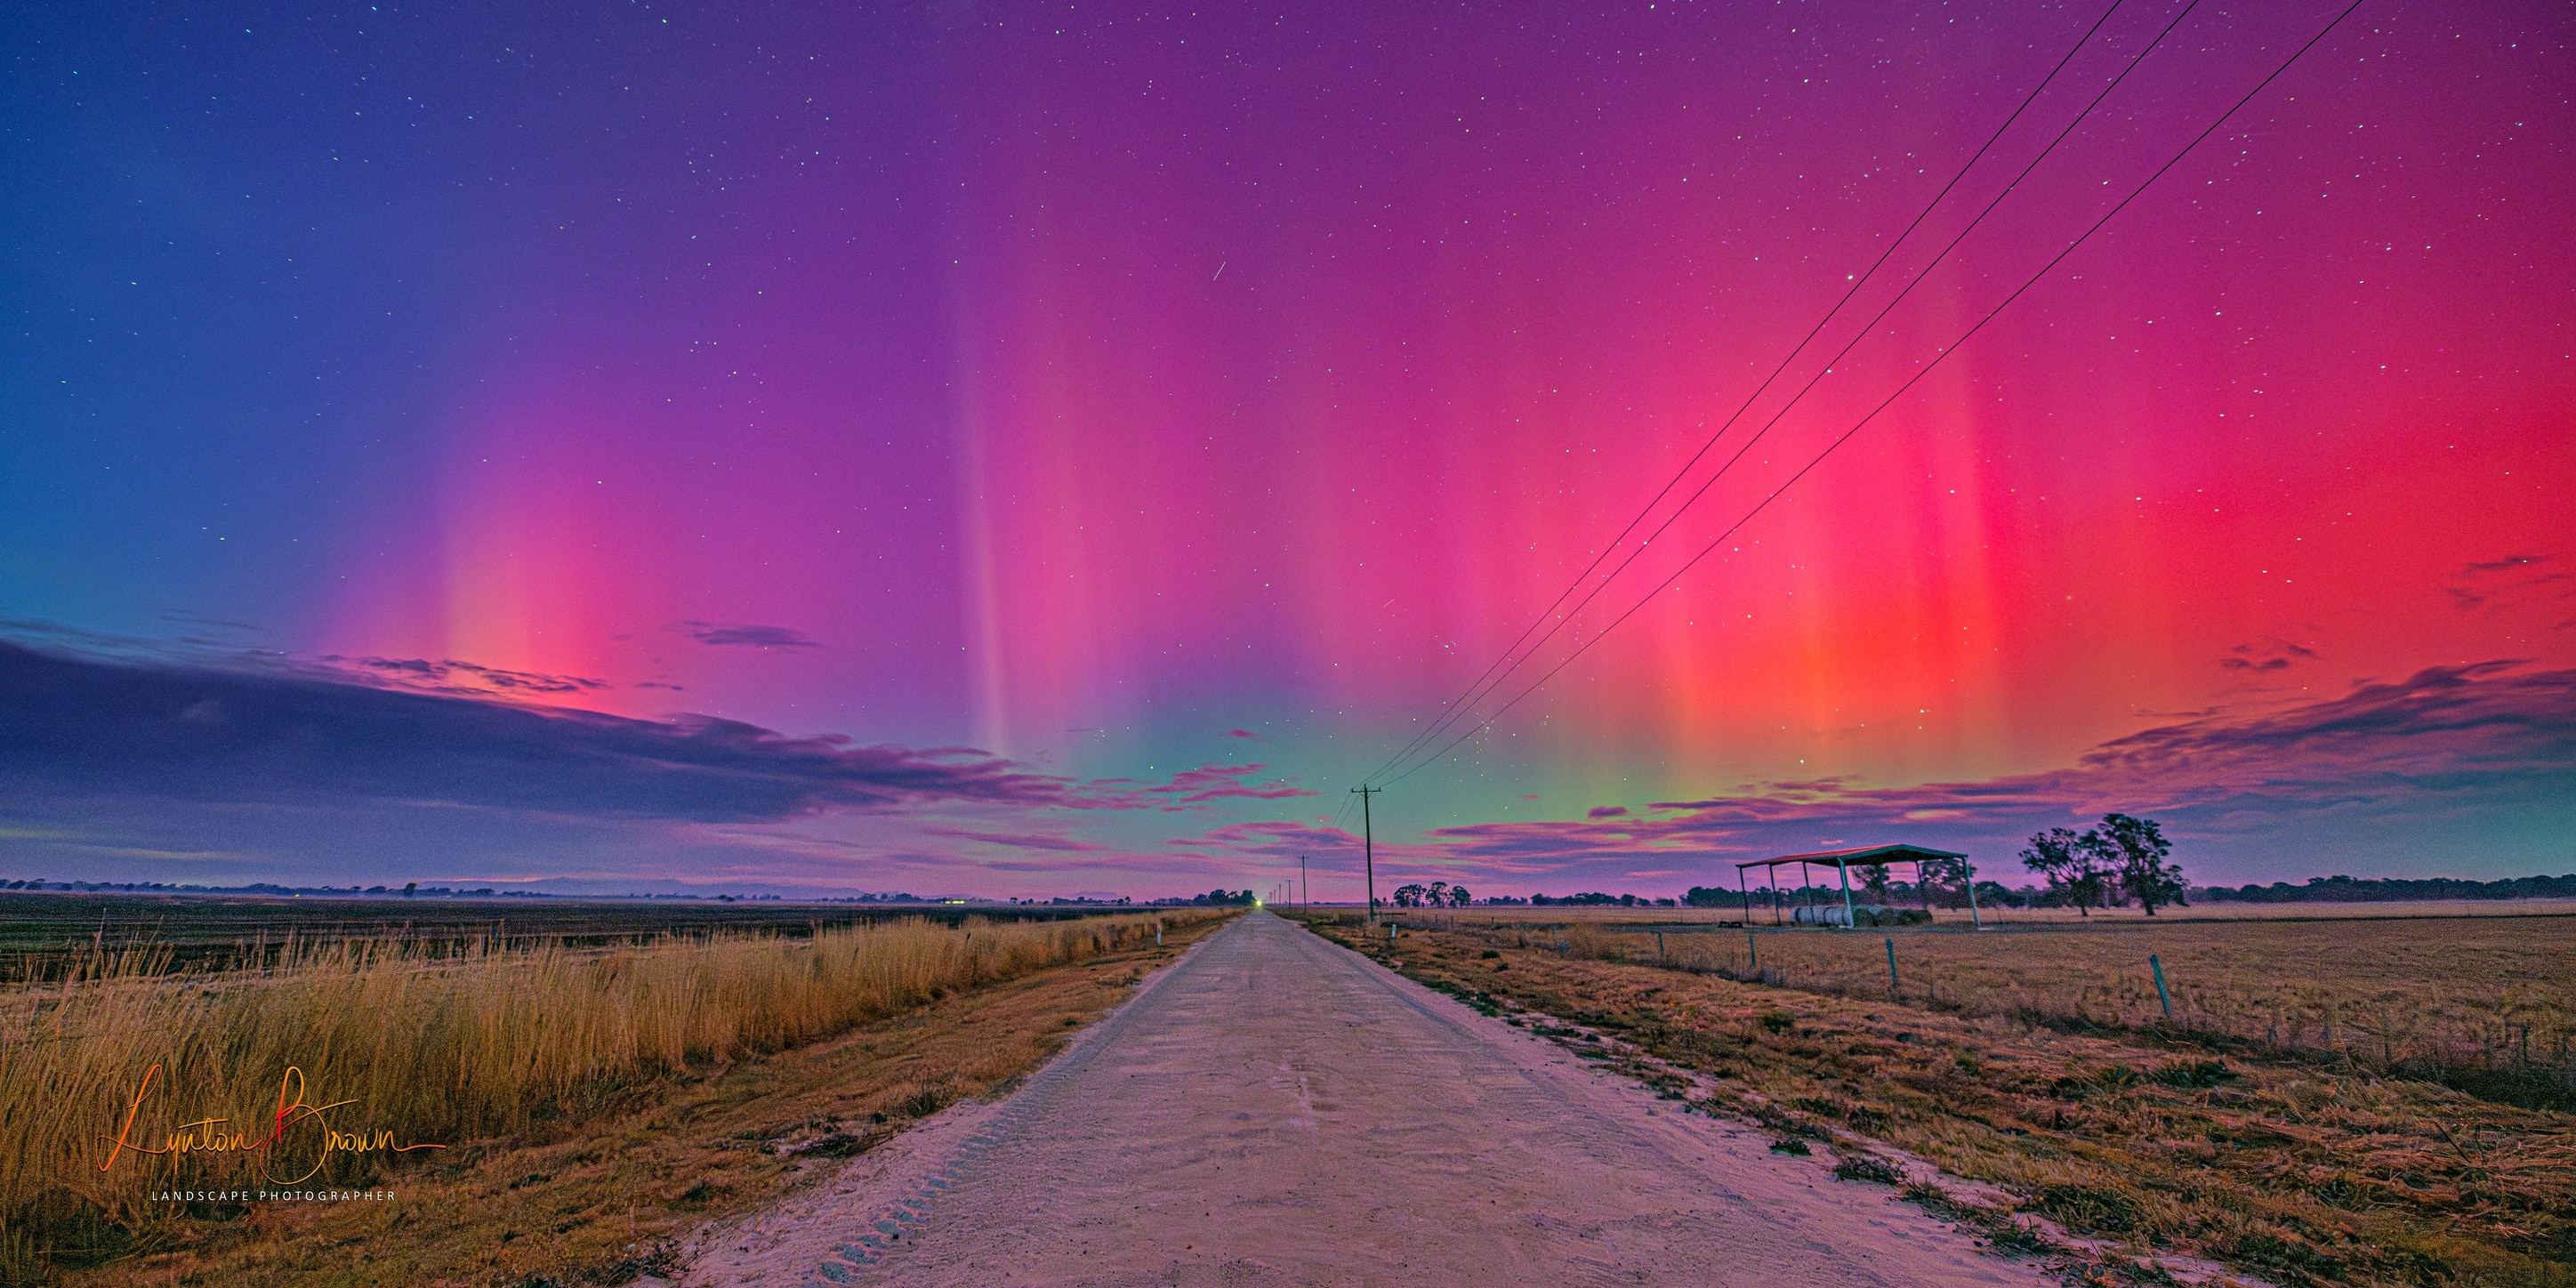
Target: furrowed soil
2300 1168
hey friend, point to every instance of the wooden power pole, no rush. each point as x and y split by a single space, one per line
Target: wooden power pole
1304 892
1368 847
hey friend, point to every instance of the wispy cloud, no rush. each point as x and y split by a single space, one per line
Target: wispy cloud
462 679
2506 579
2270 655
1190 788
743 635
1017 840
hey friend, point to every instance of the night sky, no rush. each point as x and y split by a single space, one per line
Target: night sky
1028 449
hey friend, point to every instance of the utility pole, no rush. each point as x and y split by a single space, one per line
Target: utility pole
1368 846
1304 891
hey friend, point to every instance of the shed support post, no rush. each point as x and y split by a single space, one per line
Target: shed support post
1849 921
1970 876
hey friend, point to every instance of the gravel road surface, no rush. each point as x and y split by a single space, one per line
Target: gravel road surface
1273 1110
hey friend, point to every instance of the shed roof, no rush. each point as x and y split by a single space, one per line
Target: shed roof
1863 855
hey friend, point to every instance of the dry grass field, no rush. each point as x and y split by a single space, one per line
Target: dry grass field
1733 914
605 1075
2485 1003
2302 1166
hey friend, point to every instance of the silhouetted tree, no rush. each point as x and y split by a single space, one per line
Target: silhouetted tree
2071 864
2136 850
1409 896
1457 896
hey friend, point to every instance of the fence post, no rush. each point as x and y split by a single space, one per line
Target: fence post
1659 946
1751 949
1891 966
2161 995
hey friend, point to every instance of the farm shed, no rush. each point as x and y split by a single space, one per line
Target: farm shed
1867 856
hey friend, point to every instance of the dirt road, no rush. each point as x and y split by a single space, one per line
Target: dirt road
1274 1109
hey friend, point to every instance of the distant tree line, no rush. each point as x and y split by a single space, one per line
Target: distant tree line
1222 898
2341 889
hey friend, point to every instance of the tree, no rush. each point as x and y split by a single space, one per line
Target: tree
1457 896
2135 849
1438 894
1409 896
1708 897
2071 863
1946 881
1874 885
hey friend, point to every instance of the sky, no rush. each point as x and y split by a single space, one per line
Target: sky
1034 449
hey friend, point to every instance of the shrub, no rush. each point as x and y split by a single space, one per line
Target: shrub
1867 1167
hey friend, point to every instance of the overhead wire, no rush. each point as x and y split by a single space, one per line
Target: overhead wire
1865 331
1478 689
1900 392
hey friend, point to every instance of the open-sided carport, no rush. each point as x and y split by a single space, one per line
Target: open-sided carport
1867 856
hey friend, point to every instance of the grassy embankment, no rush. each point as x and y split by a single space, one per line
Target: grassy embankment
595 1104
2300 1165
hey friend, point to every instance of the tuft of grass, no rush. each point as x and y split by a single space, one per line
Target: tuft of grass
1867 1167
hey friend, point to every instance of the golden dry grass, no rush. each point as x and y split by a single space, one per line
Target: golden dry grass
2301 1170
496 1049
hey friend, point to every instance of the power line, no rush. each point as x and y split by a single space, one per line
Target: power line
1479 689
1827 369
1910 382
